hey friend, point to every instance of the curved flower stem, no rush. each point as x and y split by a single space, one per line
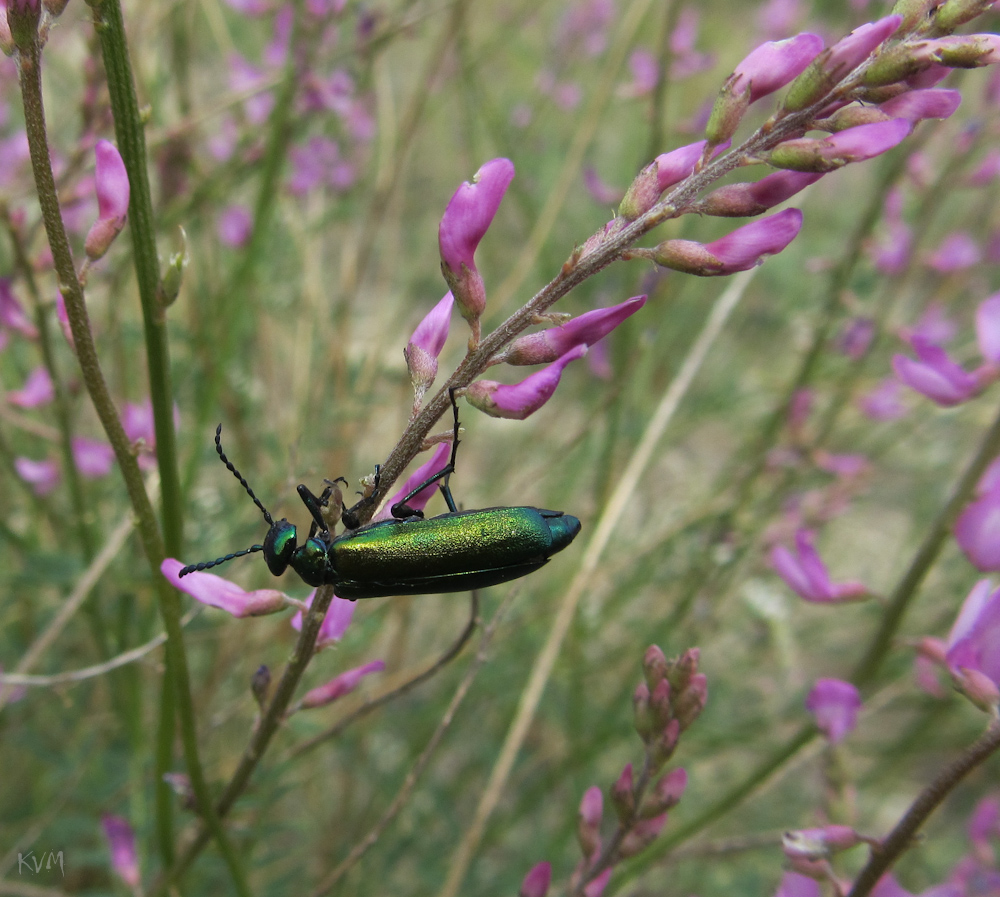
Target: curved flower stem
267 726
901 837
368 706
177 681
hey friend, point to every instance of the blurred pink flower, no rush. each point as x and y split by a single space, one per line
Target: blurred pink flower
973 647
12 314
835 704
38 390
234 226
957 252
536 882
437 460
934 374
111 185
93 457
805 573
340 685
42 475
121 843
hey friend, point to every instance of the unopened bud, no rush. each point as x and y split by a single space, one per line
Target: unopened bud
643 720
22 18
260 684
978 688
660 704
588 830
622 795
666 793
730 106
642 835
691 701
654 665
662 749
683 668
819 843
914 12
953 13
850 117
170 284
641 195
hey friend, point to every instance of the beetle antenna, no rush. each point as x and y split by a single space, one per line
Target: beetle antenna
207 565
232 469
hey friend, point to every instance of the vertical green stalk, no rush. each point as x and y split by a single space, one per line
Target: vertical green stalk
132 146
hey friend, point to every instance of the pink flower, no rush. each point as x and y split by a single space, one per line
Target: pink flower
536 882
935 375
988 328
223 594
121 843
234 226
93 457
916 105
851 51
335 623
840 149
585 330
426 343
774 64
112 188
464 223
977 531
856 337
835 704
934 326
793 884
746 246
340 685
419 501
807 576
12 313
742 200
974 642
522 399
42 475
137 421
957 252
740 250
38 390
589 825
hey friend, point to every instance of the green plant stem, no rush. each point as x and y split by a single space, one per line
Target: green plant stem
900 839
132 146
29 72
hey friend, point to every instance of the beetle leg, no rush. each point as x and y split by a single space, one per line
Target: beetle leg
315 506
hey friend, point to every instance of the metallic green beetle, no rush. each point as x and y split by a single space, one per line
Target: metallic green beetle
409 555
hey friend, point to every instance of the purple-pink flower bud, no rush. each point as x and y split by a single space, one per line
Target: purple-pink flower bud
819 843
522 399
431 466
121 845
38 390
338 618
643 719
973 650
834 704
12 314
935 375
536 882
977 531
92 457
463 225
585 330
642 834
654 665
589 826
836 62
664 171
666 793
223 594
22 18
340 685
43 476
622 795
112 187
766 69
840 149
806 574
740 250
744 200
425 346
